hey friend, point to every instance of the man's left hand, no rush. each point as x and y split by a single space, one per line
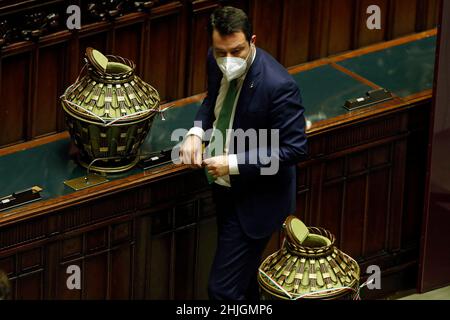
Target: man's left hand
217 166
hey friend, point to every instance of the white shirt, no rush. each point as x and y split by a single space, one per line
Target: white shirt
199 132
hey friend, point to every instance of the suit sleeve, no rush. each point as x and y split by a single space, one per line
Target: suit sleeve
287 119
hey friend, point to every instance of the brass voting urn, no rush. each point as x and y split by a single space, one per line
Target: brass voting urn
109 112
308 266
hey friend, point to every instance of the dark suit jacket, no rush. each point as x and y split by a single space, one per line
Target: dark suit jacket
269 99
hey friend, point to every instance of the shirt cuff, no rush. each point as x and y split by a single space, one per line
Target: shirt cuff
196 131
233 164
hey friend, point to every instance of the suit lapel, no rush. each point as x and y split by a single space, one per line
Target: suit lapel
249 87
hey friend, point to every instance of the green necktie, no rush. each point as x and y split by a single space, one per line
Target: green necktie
223 123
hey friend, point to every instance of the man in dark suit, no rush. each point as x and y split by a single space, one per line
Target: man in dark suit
252 119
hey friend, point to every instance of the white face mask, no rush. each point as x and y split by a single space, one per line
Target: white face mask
233 68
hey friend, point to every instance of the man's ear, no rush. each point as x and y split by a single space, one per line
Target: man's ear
253 40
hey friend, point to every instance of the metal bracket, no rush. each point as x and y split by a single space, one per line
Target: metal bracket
90 180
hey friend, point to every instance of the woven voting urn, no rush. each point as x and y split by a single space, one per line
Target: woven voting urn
109 112
308 266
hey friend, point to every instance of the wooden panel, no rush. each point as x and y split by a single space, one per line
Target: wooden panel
105 257
364 36
199 44
377 212
159 285
357 163
72 247
241 4
303 210
29 287
341 26
207 241
121 275
113 206
345 201
266 16
331 209
403 14
351 238
50 78
435 8
185 215
162 221
62 291
164 55
428 14
75 218
184 264
296 32
398 174
31 230
320 30
380 156
7 265
25 272
127 44
335 169
31 259
415 184
121 232
96 240
15 73
95 277
142 253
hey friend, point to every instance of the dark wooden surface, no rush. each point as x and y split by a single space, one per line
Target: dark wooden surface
168 42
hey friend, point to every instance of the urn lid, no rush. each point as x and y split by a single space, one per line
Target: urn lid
110 91
97 59
296 230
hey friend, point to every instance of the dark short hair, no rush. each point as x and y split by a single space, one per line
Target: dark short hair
228 20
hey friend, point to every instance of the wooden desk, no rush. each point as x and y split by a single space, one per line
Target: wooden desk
151 234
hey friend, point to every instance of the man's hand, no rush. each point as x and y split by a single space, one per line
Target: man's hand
217 166
191 152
